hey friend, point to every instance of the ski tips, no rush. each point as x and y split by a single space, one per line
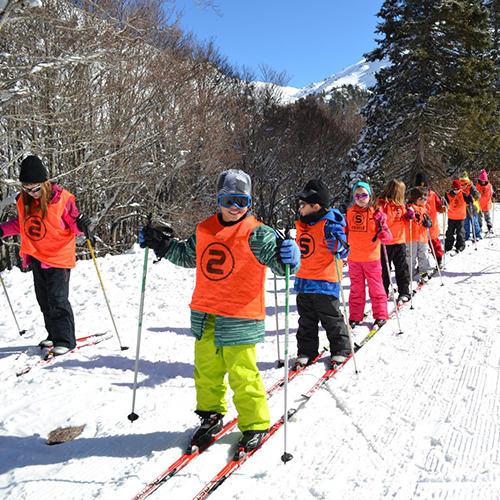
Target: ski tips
133 417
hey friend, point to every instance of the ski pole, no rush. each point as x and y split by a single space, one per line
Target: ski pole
345 310
411 268
286 457
133 416
105 296
434 255
21 332
392 286
280 362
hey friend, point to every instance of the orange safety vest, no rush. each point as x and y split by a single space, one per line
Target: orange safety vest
395 220
316 261
361 230
229 278
486 194
457 207
418 232
45 239
432 210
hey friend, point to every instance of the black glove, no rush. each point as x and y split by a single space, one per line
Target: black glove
83 224
156 237
426 221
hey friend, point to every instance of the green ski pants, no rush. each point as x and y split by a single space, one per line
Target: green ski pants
240 363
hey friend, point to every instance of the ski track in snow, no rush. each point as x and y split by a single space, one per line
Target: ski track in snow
420 419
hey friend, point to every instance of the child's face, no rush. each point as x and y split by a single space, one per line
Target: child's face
308 208
232 214
421 201
361 197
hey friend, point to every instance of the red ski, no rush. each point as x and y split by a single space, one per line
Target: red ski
186 458
86 341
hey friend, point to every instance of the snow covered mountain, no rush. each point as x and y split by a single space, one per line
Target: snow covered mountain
361 74
419 420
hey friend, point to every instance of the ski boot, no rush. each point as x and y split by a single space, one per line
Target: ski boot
379 323
248 442
46 344
211 424
301 362
337 360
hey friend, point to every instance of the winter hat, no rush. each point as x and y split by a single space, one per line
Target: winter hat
421 180
456 185
234 182
464 178
32 170
316 191
483 176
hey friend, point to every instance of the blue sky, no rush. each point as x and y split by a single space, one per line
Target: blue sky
310 40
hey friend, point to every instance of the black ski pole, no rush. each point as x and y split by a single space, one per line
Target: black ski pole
133 416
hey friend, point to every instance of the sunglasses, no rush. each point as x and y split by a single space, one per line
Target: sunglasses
33 189
361 196
303 204
240 200
423 198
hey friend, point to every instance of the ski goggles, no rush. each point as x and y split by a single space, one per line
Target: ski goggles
33 189
240 200
361 196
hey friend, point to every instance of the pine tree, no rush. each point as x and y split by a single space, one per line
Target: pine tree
432 107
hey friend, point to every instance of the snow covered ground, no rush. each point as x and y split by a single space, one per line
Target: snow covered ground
421 419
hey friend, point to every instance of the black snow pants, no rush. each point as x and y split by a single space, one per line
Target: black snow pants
318 307
397 255
455 226
52 292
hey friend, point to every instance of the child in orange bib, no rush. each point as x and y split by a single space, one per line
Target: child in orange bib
392 202
321 238
487 193
366 229
417 241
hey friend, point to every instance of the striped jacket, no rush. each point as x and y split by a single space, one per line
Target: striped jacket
231 331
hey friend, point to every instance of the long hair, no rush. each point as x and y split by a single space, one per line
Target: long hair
395 192
29 203
373 199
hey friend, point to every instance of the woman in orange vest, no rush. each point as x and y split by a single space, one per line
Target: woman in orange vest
457 212
487 193
231 251
392 202
48 221
366 229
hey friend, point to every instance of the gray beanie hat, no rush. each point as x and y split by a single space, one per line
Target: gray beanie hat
234 182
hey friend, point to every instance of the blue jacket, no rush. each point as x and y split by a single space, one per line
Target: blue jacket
335 225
